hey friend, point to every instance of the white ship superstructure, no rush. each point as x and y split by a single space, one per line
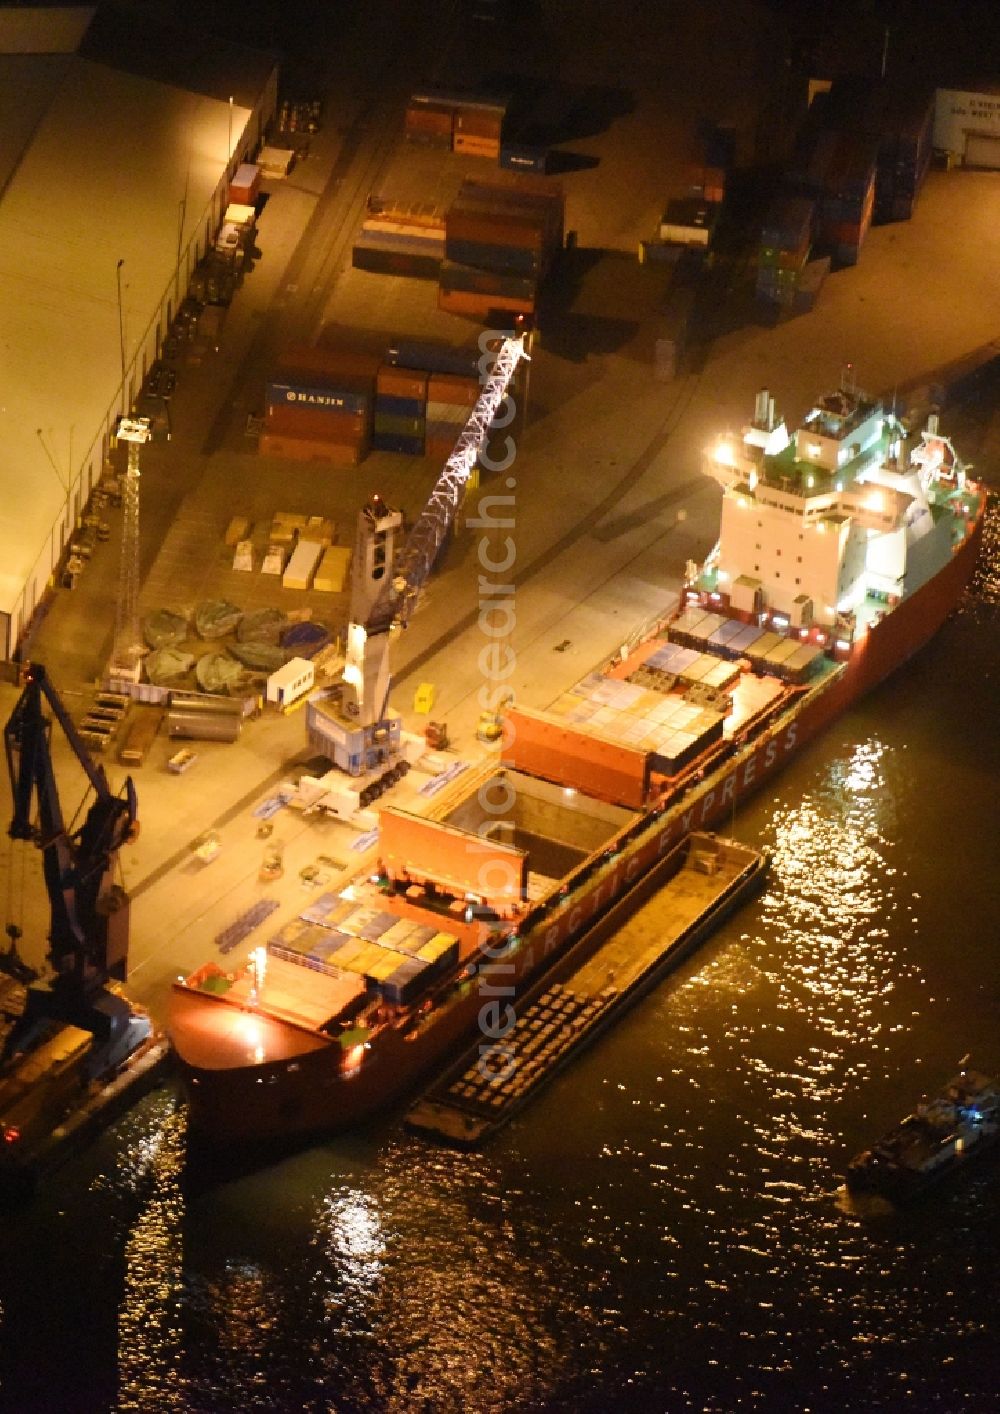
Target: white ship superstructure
824 529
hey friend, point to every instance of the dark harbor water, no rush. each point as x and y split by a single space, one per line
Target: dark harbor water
662 1230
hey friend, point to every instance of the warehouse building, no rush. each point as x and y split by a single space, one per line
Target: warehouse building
967 125
117 140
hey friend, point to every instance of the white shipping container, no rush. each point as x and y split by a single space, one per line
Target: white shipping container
302 566
289 683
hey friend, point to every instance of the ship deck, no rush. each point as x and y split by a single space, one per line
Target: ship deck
595 983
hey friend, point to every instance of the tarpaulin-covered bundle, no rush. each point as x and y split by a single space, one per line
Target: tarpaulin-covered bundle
304 640
258 657
262 626
164 628
167 665
214 618
216 672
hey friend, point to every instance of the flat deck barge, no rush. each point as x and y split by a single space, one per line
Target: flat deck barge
600 977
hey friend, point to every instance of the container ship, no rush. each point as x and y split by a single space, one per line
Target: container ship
842 549
940 1136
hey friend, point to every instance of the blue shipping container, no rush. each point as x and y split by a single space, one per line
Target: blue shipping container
319 399
393 442
434 358
516 157
507 259
387 404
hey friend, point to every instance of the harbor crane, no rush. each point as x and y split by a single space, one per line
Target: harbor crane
353 725
88 934
72 1048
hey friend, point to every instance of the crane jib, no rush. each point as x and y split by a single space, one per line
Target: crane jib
396 600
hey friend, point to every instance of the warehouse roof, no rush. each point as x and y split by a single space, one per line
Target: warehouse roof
188 59
96 166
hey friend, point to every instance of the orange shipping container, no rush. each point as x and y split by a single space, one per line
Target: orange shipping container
485 229
337 363
432 118
401 383
526 182
305 450
481 306
548 747
245 186
450 388
439 449
476 146
315 424
414 847
474 122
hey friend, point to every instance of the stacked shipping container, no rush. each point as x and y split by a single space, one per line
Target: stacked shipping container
400 410
500 239
332 405
468 123
395 957
401 241
450 400
858 121
785 238
847 203
477 130
904 155
429 121
319 406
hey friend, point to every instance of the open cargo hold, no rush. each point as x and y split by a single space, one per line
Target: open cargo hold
543 745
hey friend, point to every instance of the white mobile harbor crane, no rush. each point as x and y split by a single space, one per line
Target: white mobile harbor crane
353 725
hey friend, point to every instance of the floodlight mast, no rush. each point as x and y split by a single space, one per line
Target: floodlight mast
127 651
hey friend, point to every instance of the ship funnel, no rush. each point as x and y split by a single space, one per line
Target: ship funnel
763 410
770 414
932 424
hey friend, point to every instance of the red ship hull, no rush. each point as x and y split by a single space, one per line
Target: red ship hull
234 1100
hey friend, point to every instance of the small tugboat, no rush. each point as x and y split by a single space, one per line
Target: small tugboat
941 1135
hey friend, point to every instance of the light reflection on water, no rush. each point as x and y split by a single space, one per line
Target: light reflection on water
660 1231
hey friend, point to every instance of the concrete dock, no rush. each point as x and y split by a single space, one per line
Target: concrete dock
610 502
